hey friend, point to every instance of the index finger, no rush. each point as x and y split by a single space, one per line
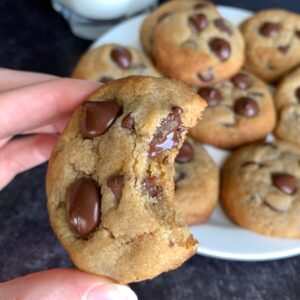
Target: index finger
11 79
37 105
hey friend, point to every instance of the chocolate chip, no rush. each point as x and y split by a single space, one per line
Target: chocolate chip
220 48
98 117
171 244
297 32
122 57
200 5
152 187
105 79
269 29
208 76
285 182
168 134
246 107
199 21
211 95
116 184
241 81
128 122
297 94
83 206
185 154
222 26
165 160
283 49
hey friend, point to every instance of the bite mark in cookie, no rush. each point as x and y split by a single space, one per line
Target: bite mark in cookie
168 135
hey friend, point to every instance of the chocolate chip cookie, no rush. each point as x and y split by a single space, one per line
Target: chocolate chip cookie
260 188
158 15
196 183
113 61
272 43
240 110
287 100
190 41
110 179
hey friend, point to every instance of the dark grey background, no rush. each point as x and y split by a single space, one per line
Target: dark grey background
33 37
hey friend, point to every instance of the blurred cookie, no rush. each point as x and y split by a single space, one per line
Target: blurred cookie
196 183
112 61
110 180
158 15
272 40
287 101
260 188
193 43
240 111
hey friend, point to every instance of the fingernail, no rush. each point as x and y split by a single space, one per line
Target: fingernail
111 292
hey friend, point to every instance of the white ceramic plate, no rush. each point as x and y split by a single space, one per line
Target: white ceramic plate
219 237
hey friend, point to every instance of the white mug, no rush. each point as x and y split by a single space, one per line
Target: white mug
90 18
107 9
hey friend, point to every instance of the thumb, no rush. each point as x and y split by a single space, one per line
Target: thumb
66 284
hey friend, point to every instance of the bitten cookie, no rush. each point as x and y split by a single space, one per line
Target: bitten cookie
240 110
287 100
112 61
196 183
272 40
190 41
260 188
110 179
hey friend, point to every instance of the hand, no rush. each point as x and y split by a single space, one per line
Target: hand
64 284
40 105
